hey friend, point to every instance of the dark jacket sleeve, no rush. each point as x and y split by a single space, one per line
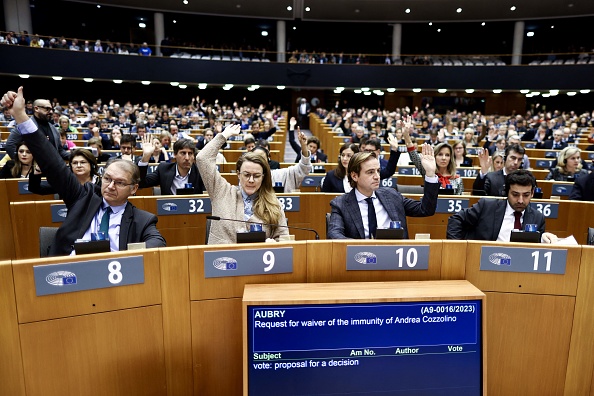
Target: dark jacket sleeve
36 187
478 187
336 228
296 147
148 179
11 143
5 172
428 204
390 169
459 223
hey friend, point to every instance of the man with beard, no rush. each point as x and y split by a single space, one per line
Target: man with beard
494 219
42 117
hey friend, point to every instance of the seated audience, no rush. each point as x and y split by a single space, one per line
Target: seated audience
569 166
21 167
460 155
337 180
492 183
583 188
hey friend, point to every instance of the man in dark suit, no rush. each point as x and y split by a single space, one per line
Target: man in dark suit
493 183
583 188
88 212
494 219
367 207
171 176
303 109
556 143
42 117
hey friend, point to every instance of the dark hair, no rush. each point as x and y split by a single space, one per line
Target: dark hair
249 140
263 143
520 177
88 155
264 149
355 164
314 139
374 142
128 139
340 171
95 140
184 144
514 147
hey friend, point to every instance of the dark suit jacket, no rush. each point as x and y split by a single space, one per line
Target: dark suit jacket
583 188
492 184
548 145
163 176
332 183
346 221
482 221
15 138
83 203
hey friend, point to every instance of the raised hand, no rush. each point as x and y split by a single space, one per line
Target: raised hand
232 130
428 160
292 123
15 102
393 142
148 148
484 160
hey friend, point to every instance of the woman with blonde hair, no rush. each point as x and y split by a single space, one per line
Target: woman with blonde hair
569 165
253 201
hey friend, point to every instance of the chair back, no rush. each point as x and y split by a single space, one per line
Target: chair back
46 238
590 235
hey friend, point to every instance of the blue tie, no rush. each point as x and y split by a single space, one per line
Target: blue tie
371 218
104 226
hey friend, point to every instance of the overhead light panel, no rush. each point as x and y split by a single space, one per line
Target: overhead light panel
524 91
264 33
459 10
407 10
87 79
183 86
289 8
307 9
367 93
202 86
57 78
584 91
357 91
497 91
546 95
280 87
442 90
469 91
24 76
391 89
571 93
118 81
145 82
174 83
364 89
416 90
141 25
530 34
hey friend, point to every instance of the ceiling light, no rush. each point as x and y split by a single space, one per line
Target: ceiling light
513 8
118 81
357 91
141 25
340 88
430 23
183 86
185 2
391 90
23 75
438 30
552 26
98 5
202 86
174 83
57 78
524 91
469 91
280 87
459 10
294 27
584 91
483 24
336 91
87 79
289 8
571 93
528 95
174 21
255 86
407 10
145 82
497 91
264 33
416 90
238 6
529 34
442 90
364 89
546 95
226 88
357 11
307 9
380 93
535 93
367 93
554 92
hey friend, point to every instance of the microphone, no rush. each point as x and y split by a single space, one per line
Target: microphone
217 218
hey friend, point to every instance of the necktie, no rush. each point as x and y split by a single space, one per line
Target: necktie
371 217
104 226
247 207
517 224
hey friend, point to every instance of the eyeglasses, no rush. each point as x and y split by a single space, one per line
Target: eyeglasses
247 176
79 163
46 108
106 180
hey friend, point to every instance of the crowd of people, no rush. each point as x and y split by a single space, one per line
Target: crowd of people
39 146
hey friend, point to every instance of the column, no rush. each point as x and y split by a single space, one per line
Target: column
396 41
281 41
159 32
518 43
17 16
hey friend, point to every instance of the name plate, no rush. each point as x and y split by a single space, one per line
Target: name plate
551 154
510 259
471 150
182 206
59 212
591 155
389 182
467 172
88 275
451 205
530 145
393 257
223 263
312 181
544 163
562 189
24 187
549 211
72 136
290 204
410 170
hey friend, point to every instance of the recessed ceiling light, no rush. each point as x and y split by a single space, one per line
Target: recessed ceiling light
238 6
174 83
118 81
307 9
407 10
391 90
294 27
367 93
546 95
483 24
584 91
23 75
497 91
513 8
459 10
57 78
438 30
141 25
571 93
554 92
530 34
552 26
535 93
416 90
380 93
524 91
145 82
174 21
264 33
280 87
98 5
442 90
570 5
339 89
255 86
357 11
87 79
470 90
202 86
289 8
185 2
183 86
357 91
430 23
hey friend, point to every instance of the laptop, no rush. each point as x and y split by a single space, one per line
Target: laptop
89 247
389 233
251 237
525 236
185 191
447 191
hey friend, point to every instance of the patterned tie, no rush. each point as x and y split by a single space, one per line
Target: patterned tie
517 224
104 226
247 207
371 217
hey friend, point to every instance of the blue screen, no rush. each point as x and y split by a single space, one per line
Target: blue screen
408 348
